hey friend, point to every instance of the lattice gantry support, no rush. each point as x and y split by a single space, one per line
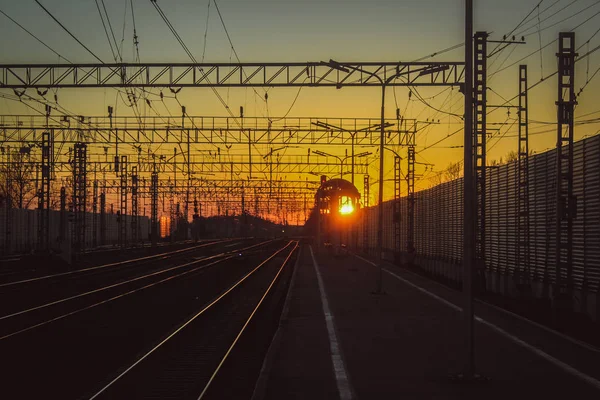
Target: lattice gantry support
95 213
173 75
102 218
154 207
366 196
410 180
397 189
8 216
523 225
134 205
123 202
79 197
479 150
63 215
44 193
566 203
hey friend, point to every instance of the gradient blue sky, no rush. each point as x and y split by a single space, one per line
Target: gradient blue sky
314 30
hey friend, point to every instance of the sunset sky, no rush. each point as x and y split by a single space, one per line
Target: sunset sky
316 30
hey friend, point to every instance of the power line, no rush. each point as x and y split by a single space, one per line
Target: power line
69 32
106 31
545 46
36 38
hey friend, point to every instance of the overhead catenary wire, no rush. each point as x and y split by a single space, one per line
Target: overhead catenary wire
35 37
68 31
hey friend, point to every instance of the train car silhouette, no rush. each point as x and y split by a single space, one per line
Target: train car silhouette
333 220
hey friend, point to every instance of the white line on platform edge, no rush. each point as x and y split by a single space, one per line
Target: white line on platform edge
341 376
562 365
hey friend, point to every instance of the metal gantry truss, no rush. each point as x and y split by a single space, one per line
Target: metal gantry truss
175 75
566 203
217 131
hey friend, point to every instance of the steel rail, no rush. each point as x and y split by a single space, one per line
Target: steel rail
219 259
188 322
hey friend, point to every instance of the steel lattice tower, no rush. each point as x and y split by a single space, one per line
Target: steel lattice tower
102 218
154 206
123 205
134 205
366 214
44 198
79 196
410 180
397 190
523 226
479 149
95 213
566 205
63 214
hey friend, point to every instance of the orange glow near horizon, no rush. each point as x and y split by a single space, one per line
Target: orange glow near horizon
346 207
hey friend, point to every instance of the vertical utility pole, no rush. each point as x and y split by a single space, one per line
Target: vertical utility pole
566 203
134 205
44 201
154 206
397 216
256 210
63 215
95 214
379 288
469 198
79 197
102 218
305 214
9 202
123 203
243 215
366 196
479 151
523 226
189 171
410 181
110 113
352 136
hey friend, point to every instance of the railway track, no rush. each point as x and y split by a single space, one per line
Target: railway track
18 276
67 300
186 363
71 346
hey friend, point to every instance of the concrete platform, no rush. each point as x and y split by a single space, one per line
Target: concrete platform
340 340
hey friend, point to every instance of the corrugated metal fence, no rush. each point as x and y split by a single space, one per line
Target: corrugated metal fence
438 225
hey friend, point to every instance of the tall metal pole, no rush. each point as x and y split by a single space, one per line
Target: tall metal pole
353 135
366 197
479 152
523 225
380 202
566 203
410 183
469 198
154 206
397 193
